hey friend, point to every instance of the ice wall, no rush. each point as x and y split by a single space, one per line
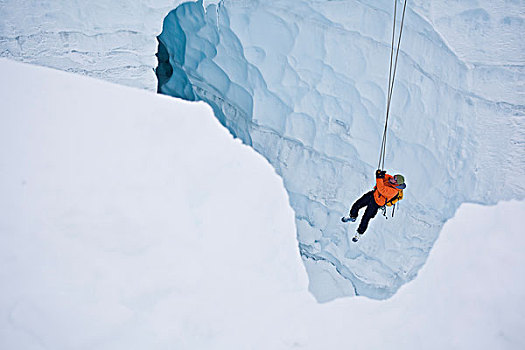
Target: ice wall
304 84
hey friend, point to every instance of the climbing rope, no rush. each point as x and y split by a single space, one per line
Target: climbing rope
391 79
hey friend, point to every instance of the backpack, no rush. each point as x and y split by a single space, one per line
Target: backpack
395 199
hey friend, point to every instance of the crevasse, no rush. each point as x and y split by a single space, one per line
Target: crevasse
303 83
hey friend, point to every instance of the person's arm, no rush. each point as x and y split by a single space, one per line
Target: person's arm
380 174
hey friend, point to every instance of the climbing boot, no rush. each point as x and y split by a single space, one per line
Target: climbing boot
356 237
348 218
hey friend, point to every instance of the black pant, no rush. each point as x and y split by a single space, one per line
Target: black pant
368 201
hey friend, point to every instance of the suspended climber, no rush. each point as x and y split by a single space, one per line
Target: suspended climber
387 192
388 189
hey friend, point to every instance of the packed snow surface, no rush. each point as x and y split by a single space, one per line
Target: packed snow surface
113 235
304 83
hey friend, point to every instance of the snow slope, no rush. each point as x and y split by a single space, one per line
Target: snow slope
303 82
114 236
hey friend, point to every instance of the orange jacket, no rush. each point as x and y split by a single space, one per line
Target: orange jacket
384 190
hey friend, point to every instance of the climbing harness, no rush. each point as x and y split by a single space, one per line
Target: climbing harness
391 78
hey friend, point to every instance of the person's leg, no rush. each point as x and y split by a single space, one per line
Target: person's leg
370 212
360 203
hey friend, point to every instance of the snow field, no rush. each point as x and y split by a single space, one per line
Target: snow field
132 220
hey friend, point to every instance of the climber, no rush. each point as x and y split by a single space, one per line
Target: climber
388 190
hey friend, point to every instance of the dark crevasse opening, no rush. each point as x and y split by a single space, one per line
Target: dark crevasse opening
172 79
164 70
187 47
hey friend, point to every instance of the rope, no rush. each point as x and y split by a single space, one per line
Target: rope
391 79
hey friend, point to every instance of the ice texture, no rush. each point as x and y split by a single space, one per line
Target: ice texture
304 83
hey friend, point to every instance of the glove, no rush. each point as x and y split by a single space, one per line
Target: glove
380 174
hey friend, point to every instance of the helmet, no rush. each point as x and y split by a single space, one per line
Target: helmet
400 179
